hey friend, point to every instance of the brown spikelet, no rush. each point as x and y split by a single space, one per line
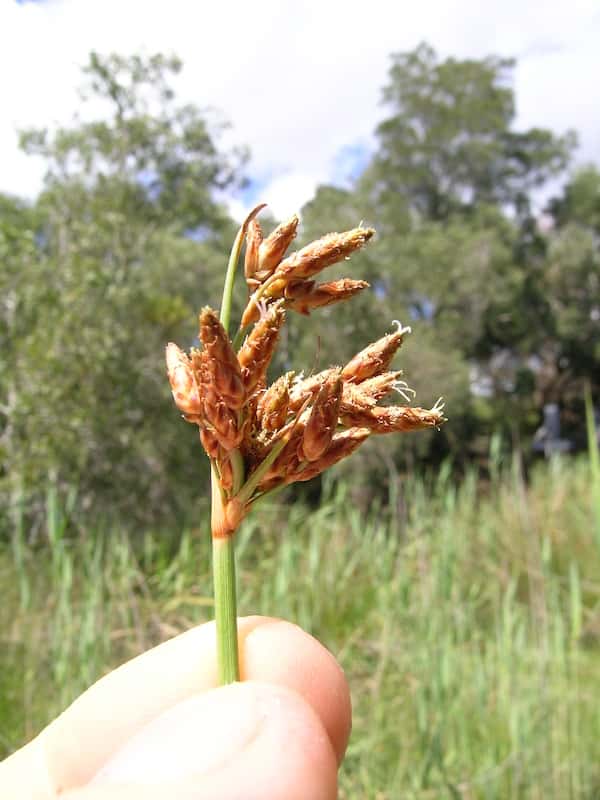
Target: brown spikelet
287 461
272 407
381 385
354 400
308 297
322 253
253 310
209 442
218 417
393 419
305 263
342 445
322 421
304 388
250 412
198 361
251 313
183 382
265 437
375 358
273 248
221 361
224 424
254 237
253 448
208 392
297 289
255 354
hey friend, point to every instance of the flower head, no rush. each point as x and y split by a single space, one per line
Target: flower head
296 427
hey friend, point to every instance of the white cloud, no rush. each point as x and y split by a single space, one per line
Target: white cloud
285 192
299 81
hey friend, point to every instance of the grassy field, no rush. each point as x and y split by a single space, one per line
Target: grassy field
468 624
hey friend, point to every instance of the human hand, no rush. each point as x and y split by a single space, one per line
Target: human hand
157 728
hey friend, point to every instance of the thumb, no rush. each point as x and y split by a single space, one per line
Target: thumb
252 740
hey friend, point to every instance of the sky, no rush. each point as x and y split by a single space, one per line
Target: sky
300 82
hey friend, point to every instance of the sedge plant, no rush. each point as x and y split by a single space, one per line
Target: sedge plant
259 436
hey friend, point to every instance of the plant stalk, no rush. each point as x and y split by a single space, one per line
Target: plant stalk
225 609
223 546
224 591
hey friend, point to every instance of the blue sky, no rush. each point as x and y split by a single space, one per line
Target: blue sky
300 81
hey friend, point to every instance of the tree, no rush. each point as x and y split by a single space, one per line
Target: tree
448 144
580 201
157 158
22 273
571 284
128 242
459 254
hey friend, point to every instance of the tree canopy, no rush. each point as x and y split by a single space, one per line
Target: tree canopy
124 244
449 143
128 240
493 290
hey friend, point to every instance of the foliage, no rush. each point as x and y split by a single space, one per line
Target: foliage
128 240
466 621
124 244
504 304
572 274
155 158
449 144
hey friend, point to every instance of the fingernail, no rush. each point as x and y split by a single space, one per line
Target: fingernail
194 737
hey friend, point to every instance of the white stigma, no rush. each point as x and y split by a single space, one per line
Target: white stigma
262 308
404 390
400 329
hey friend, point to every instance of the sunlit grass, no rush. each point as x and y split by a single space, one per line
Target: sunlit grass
469 631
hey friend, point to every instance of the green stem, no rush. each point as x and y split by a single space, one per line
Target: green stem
225 609
223 552
229 278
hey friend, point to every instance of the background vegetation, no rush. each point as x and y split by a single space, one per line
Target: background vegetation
468 626
461 597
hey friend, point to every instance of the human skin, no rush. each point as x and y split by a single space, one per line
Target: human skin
159 728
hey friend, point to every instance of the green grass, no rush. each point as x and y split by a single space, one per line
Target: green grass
469 628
